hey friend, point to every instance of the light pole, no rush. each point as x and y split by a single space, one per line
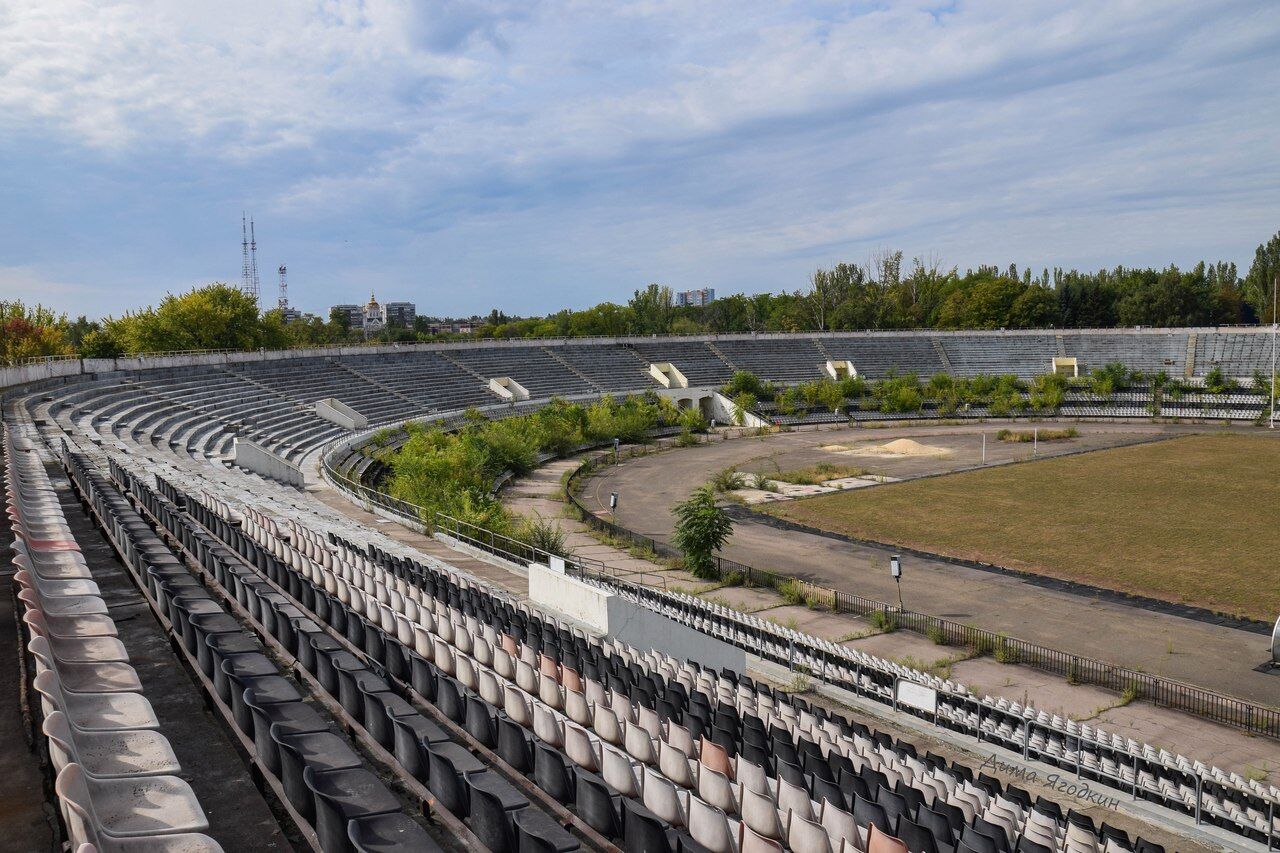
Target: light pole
895 569
613 503
1275 285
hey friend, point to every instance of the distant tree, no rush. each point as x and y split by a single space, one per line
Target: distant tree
701 529
652 310
216 316
1035 308
1261 279
31 331
341 319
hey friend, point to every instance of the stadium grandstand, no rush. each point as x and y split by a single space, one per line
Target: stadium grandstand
218 648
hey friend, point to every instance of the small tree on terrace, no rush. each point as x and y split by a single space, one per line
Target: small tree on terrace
701 529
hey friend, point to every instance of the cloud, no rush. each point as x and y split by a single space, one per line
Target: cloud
503 152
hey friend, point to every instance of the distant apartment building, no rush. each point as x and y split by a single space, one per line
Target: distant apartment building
289 314
355 314
400 314
695 298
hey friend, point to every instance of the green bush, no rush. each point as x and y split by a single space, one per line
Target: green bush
884 621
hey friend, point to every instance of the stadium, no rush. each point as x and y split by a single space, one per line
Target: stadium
985 591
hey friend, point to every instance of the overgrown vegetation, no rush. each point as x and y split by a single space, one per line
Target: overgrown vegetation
453 472
1027 436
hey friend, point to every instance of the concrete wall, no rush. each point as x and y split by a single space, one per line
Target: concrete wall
337 412
259 460
628 622
727 413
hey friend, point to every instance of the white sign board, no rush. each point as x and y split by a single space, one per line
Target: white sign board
916 696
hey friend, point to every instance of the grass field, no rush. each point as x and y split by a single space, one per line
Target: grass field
1191 520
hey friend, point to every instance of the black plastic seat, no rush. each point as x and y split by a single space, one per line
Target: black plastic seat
263 690
320 750
380 707
481 723
390 833
205 624
342 796
411 736
538 833
894 805
597 804
553 773
317 642
422 675
327 664
979 841
866 812
218 647
448 766
937 824
515 745
449 692
994 832
274 718
354 680
1026 845
493 804
643 831
916 837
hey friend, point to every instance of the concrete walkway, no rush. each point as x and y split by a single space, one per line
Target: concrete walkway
539 494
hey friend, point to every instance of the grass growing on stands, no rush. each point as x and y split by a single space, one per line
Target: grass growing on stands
1188 520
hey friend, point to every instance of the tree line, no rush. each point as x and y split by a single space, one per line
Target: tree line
880 294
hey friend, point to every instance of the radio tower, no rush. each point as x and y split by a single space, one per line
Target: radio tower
249 259
246 270
253 263
283 302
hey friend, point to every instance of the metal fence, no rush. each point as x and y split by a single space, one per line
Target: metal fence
1163 692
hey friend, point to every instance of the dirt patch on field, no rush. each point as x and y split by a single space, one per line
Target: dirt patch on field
902 447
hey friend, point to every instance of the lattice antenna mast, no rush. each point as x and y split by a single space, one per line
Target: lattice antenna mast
253 264
246 271
283 301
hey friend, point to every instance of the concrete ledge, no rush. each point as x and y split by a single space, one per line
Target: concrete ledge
259 460
337 412
508 389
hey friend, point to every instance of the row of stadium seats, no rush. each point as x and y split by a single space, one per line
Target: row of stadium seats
118 781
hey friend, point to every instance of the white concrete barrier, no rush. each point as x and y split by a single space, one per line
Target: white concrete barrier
337 412
628 622
508 389
259 460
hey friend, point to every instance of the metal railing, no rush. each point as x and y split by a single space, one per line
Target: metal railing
1160 691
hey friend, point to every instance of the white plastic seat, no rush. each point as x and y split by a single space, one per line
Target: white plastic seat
102 712
103 755
663 798
804 834
98 809
717 790
710 827
760 812
675 765
618 772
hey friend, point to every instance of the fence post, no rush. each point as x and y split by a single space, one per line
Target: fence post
1200 800
1026 739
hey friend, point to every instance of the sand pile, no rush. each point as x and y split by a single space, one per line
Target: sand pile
900 447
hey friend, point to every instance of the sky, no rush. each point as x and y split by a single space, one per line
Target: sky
533 156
